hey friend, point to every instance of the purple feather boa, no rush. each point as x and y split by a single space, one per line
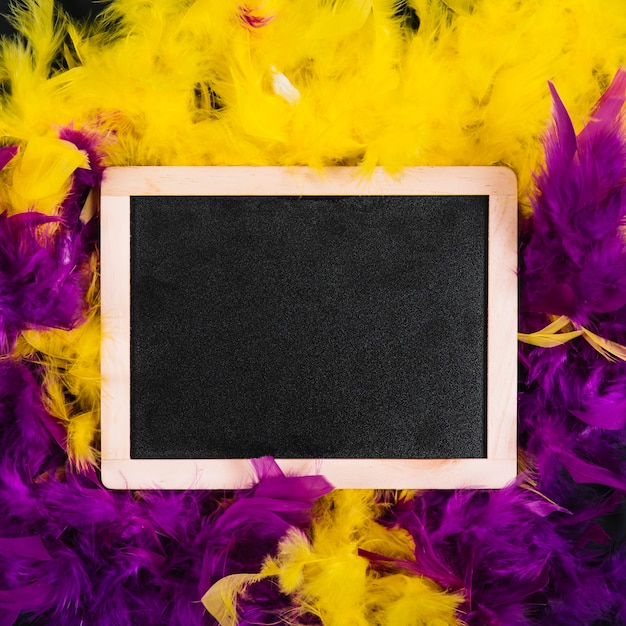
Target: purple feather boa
72 552
574 263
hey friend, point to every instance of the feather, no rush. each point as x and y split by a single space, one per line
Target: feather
39 285
331 580
221 598
517 565
584 472
611 350
550 337
44 169
41 276
610 416
6 154
32 100
71 381
586 265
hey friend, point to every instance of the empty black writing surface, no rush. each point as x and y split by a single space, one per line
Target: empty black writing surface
339 327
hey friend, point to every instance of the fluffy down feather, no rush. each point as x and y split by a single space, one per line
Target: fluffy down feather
520 559
457 83
329 578
74 552
42 280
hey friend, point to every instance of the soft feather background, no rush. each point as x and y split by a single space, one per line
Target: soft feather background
312 82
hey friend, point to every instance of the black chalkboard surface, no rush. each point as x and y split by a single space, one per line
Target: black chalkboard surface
331 326
308 327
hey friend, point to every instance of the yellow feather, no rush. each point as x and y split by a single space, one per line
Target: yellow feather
41 29
550 337
35 104
607 348
329 579
545 340
294 555
43 172
221 598
412 601
80 438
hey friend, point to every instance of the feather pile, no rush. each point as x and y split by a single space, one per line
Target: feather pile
315 82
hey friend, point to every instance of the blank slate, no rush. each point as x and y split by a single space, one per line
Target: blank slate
362 329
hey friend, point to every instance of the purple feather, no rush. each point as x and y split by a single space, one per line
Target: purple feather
515 566
73 552
6 154
573 400
574 262
42 276
83 179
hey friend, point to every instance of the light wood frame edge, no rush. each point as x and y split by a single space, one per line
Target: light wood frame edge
119 471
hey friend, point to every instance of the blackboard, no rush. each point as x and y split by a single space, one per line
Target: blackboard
330 326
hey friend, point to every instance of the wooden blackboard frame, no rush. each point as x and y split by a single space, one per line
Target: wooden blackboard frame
120 471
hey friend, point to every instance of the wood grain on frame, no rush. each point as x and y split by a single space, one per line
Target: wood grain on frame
119 471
